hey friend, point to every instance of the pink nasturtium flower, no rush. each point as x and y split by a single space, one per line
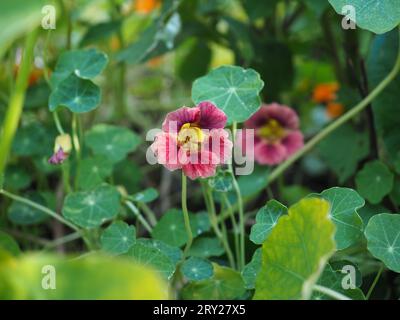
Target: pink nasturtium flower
276 133
62 148
194 140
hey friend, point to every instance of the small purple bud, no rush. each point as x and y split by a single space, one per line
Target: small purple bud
58 157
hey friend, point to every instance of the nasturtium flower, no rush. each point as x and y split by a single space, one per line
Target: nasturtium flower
334 109
194 140
276 133
146 6
325 92
62 149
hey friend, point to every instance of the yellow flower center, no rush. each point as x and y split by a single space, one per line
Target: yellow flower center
190 137
272 131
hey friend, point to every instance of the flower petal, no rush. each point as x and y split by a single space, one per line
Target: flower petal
174 120
266 153
166 150
293 142
218 143
201 169
210 116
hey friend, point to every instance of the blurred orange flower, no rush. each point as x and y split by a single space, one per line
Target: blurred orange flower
334 109
34 75
325 92
146 6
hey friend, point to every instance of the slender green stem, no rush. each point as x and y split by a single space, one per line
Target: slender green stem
234 225
151 216
65 176
40 208
371 289
343 119
330 292
139 217
239 207
68 238
186 216
16 101
214 222
75 136
57 122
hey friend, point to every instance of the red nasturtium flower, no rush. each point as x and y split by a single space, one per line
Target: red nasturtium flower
325 92
334 109
194 140
146 6
276 133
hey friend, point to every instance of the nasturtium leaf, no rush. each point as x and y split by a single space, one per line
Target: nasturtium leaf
226 284
383 239
90 209
150 256
205 247
33 139
266 218
112 142
93 171
232 89
200 223
381 59
344 205
16 178
22 214
373 15
147 195
332 279
250 270
346 141
8 244
221 182
118 237
197 269
374 181
171 228
85 64
296 251
343 267
173 253
96 277
78 95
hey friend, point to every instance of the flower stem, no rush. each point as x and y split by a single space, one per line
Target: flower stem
57 122
16 101
75 137
186 216
371 289
40 208
151 216
234 225
140 218
330 292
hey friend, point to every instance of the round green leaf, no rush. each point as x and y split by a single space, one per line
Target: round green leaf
78 95
145 196
296 251
22 214
205 247
173 253
118 237
374 181
250 270
226 284
344 205
153 257
197 269
383 239
233 89
90 209
16 178
266 218
33 139
93 171
221 182
8 244
85 64
374 15
112 142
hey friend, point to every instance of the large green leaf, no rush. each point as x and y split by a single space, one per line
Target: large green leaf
197 269
93 171
374 181
383 239
233 89
266 218
90 209
78 95
226 284
296 251
118 237
344 205
173 253
381 60
374 15
205 247
94 277
111 142
85 64
148 255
